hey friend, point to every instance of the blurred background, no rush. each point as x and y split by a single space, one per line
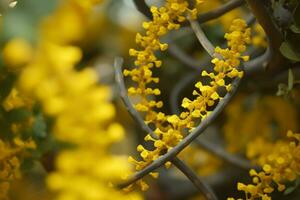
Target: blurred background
261 113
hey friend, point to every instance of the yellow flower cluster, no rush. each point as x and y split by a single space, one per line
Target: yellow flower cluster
165 19
10 161
80 107
169 129
280 163
279 116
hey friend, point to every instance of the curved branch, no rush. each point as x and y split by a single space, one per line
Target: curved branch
227 157
124 96
217 151
274 35
192 176
205 17
186 59
259 63
218 12
174 96
206 44
143 8
256 65
185 141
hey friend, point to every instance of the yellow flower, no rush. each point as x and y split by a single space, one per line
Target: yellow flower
80 108
16 53
280 163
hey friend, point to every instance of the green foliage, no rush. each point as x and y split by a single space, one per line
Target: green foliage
285 90
293 187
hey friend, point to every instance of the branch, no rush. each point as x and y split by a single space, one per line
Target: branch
174 96
192 176
143 8
185 141
258 64
225 156
206 44
124 96
218 12
186 59
205 17
250 20
274 35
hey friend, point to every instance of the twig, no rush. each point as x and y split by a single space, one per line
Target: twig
207 45
274 35
250 20
227 157
186 59
124 96
259 63
192 176
174 96
205 17
256 65
218 12
143 8
187 140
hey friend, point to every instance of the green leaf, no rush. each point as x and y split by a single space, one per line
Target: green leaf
295 28
290 80
288 52
292 188
289 190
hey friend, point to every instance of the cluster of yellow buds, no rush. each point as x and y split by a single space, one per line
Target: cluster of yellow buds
165 19
276 111
280 163
10 156
169 128
225 66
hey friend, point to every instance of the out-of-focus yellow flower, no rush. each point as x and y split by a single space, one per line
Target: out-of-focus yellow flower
15 100
265 117
80 108
203 162
16 53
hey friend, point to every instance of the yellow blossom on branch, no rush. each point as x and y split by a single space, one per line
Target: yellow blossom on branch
280 163
169 128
